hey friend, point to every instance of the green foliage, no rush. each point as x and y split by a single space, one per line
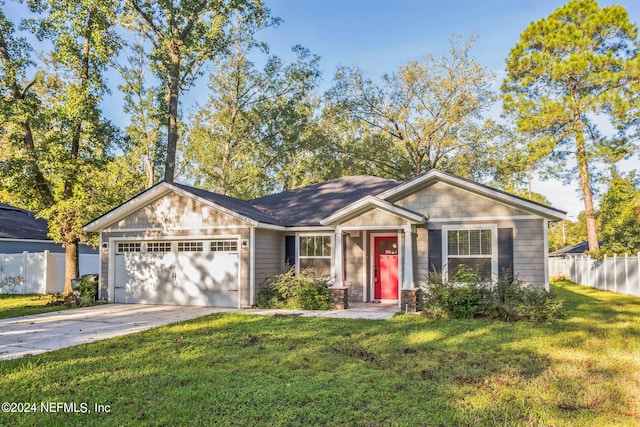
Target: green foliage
183 37
256 134
58 148
427 114
304 291
86 286
466 296
577 65
146 107
13 305
619 215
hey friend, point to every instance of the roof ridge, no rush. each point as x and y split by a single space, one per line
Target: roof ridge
319 184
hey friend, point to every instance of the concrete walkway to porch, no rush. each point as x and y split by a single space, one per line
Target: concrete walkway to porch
357 310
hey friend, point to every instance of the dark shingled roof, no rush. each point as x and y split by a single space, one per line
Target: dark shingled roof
236 205
301 206
16 223
308 205
578 248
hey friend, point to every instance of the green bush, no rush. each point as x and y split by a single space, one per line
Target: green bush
467 296
84 293
304 291
87 285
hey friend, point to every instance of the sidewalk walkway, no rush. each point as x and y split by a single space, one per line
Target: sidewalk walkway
358 310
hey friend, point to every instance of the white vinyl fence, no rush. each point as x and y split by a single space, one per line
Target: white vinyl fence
620 274
41 272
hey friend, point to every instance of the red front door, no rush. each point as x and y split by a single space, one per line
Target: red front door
385 268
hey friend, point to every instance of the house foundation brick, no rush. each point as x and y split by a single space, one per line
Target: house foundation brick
409 300
340 298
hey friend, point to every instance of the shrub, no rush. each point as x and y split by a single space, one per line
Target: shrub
541 305
445 300
466 296
84 291
304 291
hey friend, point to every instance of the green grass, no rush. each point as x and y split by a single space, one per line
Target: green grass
241 369
24 305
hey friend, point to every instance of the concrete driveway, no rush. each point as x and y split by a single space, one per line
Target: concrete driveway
22 336
40 333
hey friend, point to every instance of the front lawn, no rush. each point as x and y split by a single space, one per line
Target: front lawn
240 369
23 305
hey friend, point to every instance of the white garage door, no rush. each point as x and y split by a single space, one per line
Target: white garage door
203 272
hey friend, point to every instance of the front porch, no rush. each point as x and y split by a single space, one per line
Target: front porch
373 254
374 263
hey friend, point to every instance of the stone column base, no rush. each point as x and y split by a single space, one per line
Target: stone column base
409 300
340 298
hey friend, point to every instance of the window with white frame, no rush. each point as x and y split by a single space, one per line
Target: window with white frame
315 253
128 247
158 246
190 246
472 248
224 246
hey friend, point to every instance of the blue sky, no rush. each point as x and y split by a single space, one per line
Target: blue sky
380 35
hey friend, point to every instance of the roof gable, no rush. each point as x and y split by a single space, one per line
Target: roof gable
367 204
233 207
433 176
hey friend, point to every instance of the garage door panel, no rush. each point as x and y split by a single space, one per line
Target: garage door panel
141 277
208 278
187 277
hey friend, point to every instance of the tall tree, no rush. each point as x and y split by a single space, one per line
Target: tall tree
55 129
253 133
146 108
569 72
423 115
184 36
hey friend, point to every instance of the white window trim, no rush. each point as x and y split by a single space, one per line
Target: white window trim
314 234
494 246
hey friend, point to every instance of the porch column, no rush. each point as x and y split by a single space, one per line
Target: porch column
409 292
407 282
338 269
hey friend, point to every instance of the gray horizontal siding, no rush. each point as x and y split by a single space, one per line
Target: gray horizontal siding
269 255
354 264
528 250
528 247
442 200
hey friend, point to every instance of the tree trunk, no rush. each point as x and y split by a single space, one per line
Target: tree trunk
72 260
72 266
172 127
585 184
